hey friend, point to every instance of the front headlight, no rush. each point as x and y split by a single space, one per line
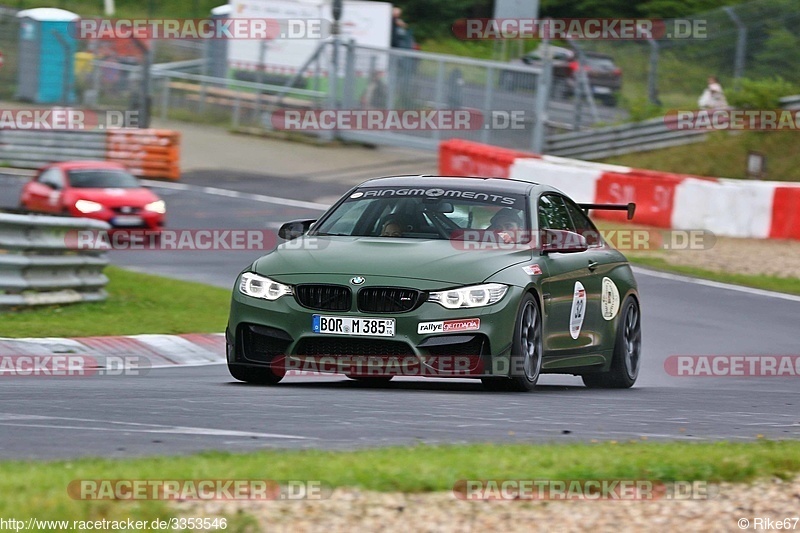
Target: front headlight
261 287
88 206
156 207
474 296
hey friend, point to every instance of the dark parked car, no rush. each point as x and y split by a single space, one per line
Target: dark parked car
605 77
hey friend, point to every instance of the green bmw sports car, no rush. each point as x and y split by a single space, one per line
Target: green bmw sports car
495 279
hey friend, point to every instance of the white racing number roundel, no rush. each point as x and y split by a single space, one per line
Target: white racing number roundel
609 299
578 311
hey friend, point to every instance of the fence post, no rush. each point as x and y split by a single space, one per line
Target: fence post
652 72
741 45
348 97
165 81
487 103
237 109
542 98
439 94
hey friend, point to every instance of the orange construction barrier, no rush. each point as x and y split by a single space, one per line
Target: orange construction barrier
146 153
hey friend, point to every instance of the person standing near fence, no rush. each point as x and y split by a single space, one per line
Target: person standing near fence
713 97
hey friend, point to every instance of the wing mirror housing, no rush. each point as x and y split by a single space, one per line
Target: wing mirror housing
563 242
294 229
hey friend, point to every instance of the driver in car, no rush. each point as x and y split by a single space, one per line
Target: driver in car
392 228
507 224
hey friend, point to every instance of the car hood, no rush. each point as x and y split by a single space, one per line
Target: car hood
114 197
434 260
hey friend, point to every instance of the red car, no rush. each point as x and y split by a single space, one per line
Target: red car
94 189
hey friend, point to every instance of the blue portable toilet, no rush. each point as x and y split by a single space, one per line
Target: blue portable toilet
46 56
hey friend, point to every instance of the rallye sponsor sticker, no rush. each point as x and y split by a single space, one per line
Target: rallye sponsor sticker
609 299
532 270
578 311
449 326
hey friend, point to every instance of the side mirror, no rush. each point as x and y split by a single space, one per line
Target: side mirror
294 229
562 242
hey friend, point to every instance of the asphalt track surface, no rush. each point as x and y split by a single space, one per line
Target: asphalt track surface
182 410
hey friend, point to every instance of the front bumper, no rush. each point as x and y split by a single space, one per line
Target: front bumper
279 334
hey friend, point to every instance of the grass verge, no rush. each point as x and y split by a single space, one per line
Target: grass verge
137 303
770 283
723 154
40 488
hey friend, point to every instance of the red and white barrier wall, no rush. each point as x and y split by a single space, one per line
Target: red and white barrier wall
735 208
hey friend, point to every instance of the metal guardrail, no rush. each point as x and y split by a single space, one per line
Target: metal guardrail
791 103
34 148
146 153
37 266
609 141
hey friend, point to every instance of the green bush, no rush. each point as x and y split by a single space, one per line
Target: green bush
760 94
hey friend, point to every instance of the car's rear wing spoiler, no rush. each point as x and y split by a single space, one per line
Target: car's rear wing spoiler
630 208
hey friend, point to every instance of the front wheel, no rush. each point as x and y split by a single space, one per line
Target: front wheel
526 351
626 359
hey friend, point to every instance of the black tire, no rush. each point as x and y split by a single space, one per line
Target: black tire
526 351
254 374
626 361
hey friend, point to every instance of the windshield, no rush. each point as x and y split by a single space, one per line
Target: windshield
102 179
423 213
601 63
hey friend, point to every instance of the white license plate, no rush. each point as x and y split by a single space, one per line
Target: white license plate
127 220
345 325
601 90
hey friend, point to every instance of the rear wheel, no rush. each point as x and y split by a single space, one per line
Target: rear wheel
254 374
626 359
526 351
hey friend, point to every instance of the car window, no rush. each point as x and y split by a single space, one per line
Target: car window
102 179
553 213
423 213
52 177
582 223
600 63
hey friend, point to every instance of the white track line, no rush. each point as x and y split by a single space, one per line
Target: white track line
236 194
715 284
138 427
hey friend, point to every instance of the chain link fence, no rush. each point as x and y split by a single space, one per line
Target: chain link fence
755 40
9 46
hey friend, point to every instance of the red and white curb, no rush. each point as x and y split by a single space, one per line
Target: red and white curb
726 207
161 351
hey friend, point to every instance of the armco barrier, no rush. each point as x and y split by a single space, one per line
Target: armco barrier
735 208
37 268
147 153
